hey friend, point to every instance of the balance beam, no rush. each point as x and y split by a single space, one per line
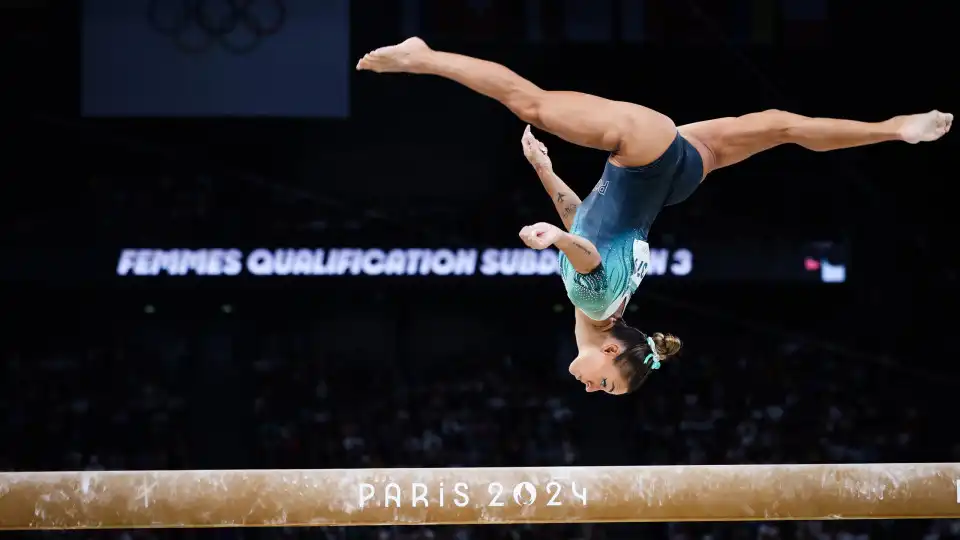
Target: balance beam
343 497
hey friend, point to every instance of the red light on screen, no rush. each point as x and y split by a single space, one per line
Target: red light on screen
811 264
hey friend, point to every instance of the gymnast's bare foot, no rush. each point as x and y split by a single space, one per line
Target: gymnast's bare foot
924 127
400 58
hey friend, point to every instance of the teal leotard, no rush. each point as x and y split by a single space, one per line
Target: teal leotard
616 217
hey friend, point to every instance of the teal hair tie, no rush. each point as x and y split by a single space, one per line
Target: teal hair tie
653 354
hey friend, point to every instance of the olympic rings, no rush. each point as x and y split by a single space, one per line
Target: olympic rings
239 26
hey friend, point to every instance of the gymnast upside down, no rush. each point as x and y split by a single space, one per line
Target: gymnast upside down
652 164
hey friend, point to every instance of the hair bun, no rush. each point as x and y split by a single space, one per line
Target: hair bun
668 345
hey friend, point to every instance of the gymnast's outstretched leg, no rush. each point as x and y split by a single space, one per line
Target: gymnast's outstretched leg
634 134
725 141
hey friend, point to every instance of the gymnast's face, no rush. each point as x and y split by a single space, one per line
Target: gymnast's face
595 369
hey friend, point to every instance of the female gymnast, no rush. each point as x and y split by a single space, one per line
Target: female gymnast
652 164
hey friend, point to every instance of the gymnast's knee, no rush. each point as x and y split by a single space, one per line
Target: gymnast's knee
781 126
527 103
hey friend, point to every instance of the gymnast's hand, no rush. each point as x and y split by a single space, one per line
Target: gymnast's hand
535 151
540 235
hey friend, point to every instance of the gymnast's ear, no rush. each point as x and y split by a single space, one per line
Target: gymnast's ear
612 348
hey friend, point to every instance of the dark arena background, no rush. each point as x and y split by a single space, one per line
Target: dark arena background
195 224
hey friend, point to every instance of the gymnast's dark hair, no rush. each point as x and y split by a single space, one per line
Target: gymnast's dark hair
633 362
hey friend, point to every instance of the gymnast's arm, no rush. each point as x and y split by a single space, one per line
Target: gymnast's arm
564 199
581 253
